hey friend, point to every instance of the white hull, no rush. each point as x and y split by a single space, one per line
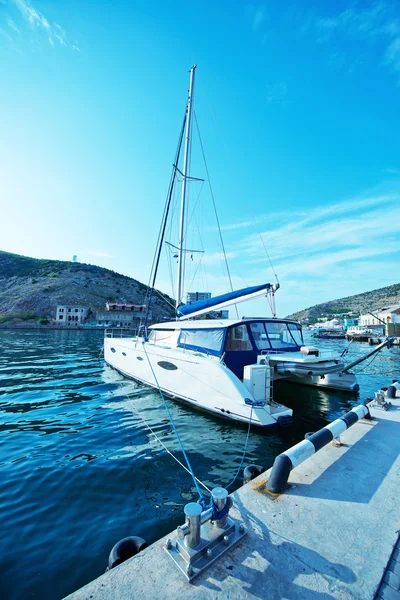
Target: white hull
346 382
198 379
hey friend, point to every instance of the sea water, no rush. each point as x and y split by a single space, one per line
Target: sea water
79 469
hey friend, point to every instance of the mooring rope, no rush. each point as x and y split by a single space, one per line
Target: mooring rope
201 497
164 446
245 449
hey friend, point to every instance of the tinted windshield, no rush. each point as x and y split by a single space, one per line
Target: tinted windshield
276 335
297 333
260 336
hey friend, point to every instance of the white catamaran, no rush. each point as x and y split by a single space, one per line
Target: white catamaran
226 367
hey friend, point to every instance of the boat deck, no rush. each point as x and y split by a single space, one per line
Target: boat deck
299 357
330 536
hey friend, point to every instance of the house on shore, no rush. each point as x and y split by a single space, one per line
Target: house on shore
390 314
71 316
121 315
387 318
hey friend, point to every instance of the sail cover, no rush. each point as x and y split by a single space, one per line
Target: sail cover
204 306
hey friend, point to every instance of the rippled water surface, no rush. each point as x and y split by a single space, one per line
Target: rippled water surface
79 469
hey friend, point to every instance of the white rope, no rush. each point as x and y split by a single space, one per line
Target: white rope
164 446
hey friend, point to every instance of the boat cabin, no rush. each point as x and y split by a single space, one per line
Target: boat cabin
237 342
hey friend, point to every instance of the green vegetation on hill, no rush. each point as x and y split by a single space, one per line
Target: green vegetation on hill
358 304
31 288
23 316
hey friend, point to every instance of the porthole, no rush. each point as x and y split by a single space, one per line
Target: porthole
139 358
167 365
113 350
124 354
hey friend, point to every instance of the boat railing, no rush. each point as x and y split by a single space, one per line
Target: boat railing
120 332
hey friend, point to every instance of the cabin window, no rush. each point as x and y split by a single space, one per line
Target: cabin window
238 339
280 336
297 335
164 337
204 340
260 336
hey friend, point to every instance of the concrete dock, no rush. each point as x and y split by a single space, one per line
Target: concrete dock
332 535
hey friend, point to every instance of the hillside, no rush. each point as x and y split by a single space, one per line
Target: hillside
360 303
34 287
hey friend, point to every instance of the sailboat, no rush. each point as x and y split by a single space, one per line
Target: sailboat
226 367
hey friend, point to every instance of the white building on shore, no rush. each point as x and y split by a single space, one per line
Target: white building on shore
71 316
121 315
390 314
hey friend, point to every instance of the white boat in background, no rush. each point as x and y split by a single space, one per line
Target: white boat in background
225 367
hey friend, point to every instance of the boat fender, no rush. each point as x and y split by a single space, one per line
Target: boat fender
391 392
124 549
251 472
285 421
310 350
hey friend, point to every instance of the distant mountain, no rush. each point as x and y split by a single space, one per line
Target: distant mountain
358 304
32 288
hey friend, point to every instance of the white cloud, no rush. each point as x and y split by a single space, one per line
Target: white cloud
216 258
340 240
233 226
258 18
36 20
12 25
378 24
322 253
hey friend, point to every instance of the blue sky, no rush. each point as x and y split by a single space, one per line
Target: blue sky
298 109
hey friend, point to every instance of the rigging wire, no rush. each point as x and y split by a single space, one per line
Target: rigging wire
199 264
161 233
215 208
242 188
368 364
163 297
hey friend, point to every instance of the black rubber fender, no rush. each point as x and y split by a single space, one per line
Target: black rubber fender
391 392
251 472
124 549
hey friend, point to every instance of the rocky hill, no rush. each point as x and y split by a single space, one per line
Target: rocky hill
360 303
31 288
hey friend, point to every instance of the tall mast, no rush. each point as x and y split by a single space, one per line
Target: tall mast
179 284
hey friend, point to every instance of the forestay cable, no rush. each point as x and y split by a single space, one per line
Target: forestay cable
240 184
